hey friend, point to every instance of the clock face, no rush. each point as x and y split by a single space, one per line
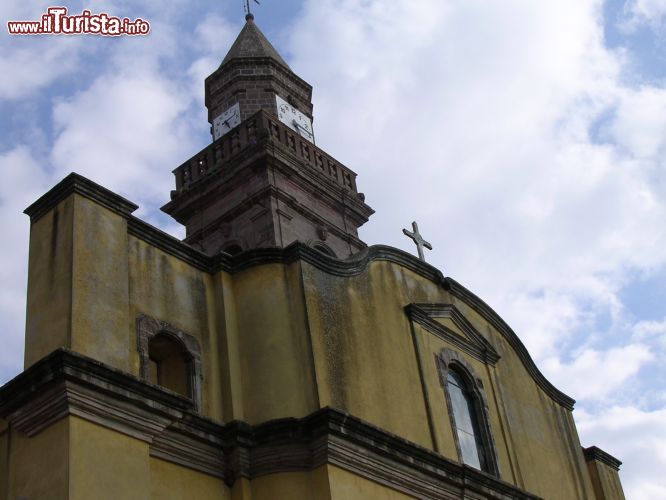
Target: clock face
294 119
226 121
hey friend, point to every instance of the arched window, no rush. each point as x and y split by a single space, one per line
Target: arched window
169 357
170 364
468 412
466 422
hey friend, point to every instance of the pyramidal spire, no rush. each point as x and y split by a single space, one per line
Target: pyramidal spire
251 42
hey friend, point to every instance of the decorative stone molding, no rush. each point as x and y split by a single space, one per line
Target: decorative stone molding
471 342
599 455
446 359
76 385
77 184
67 383
147 328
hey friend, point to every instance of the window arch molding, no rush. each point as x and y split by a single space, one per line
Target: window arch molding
323 248
147 329
449 360
233 247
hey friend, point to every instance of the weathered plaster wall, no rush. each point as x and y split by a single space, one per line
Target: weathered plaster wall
169 481
165 288
49 303
77 283
605 480
311 485
98 457
347 486
367 363
277 340
363 351
275 355
39 465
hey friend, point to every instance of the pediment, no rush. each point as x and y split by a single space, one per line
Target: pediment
449 324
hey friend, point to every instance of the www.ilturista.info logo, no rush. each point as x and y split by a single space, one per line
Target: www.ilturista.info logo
57 22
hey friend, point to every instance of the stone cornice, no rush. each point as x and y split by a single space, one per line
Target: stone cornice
65 383
170 245
75 183
471 342
599 455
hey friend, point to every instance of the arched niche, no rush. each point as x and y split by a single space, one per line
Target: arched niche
170 358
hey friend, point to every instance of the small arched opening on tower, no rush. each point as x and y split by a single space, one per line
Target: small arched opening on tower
323 248
170 364
169 357
233 249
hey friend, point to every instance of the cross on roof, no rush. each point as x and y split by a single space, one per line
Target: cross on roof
248 12
418 240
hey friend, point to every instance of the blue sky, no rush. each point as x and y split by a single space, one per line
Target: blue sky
528 139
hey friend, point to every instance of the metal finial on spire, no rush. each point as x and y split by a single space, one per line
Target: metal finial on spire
418 240
248 13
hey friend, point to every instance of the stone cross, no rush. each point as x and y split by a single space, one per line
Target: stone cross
418 240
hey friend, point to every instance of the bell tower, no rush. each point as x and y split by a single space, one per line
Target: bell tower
263 182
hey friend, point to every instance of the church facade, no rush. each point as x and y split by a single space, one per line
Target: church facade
271 354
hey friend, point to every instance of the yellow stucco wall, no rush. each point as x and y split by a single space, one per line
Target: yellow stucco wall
367 363
49 303
606 481
98 457
364 354
169 481
274 349
287 485
39 465
281 340
347 486
100 289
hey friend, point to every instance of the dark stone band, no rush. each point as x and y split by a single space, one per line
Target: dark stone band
65 383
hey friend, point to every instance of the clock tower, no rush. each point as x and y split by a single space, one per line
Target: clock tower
263 182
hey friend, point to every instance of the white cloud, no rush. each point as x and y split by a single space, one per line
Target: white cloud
654 331
644 12
94 137
23 173
35 64
649 328
602 371
640 124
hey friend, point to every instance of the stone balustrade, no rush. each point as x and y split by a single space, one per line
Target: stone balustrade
261 128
